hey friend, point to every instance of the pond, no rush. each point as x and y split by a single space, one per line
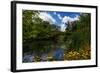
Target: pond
56 55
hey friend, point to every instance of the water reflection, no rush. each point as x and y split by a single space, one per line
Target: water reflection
55 55
43 50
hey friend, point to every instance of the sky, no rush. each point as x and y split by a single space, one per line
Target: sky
59 18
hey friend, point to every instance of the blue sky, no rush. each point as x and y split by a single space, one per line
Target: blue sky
59 18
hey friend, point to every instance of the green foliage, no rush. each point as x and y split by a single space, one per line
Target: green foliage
78 41
81 34
41 37
37 34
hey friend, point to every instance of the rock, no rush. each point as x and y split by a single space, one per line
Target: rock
44 57
28 58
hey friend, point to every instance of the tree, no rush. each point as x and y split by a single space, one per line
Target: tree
37 33
79 34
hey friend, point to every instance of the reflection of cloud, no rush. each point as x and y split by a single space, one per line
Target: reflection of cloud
67 18
47 17
59 16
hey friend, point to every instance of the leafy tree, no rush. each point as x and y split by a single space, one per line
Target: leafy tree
37 34
78 35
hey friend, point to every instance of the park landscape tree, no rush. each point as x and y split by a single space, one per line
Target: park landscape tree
41 36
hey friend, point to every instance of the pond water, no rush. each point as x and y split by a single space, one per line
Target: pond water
57 55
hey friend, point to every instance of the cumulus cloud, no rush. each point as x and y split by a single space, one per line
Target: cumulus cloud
59 16
62 27
67 18
47 17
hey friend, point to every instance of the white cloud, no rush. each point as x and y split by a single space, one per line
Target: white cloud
59 16
47 17
62 27
67 18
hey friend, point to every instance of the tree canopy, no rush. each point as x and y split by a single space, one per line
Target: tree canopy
40 36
